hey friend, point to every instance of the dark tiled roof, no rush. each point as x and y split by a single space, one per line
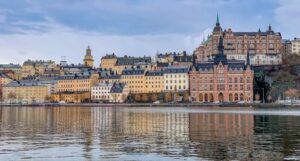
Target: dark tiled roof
255 33
117 88
73 76
162 64
183 58
126 60
10 65
205 66
133 71
154 73
109 56
23 83
176 69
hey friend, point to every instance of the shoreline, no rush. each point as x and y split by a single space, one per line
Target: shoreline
254 105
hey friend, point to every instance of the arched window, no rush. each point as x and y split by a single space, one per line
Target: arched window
241 97
205 97
211 97
236 97
200 97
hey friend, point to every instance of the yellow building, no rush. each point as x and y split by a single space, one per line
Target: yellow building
4 79
37 67
154 81
135 79
88 58
76 83
26 92
108 61
71 97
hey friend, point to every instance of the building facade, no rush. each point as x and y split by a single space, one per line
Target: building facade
4 79
222 80
26 92
264 47
154 81
119 93
134 79
296 46
101 92
176 79
36 67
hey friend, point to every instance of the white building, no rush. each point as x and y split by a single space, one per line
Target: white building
176 78
296 46
101 91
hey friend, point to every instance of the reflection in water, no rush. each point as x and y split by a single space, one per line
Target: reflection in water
84 133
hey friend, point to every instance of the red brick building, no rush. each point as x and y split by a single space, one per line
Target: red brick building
222 80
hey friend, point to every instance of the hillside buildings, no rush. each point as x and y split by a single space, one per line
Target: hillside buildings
264 47
176 79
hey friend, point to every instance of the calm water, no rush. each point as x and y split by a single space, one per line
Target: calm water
107 133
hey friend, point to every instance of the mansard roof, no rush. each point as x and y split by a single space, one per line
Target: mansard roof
128 60
109 56
183 58
176 69
117 88
133 71
154 73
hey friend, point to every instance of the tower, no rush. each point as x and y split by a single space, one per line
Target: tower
88 58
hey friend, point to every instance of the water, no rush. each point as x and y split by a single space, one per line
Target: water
108 133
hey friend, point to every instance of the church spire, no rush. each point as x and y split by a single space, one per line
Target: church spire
248 58
218 21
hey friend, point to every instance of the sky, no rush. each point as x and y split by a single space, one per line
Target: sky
50 29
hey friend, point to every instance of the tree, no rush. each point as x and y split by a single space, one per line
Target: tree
153 97
145 97
186 97
11 96
47 98
168 97
137 97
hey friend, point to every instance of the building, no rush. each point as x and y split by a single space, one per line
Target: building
36 67
76 82
183 59
4 79
118 64
71 97
176 79
296 46
26 92
119 93
14 71
134 79
222 80
154 81
88 58
101 92
264 47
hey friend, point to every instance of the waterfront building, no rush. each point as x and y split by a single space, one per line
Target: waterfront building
295 43
222 80
26 92
88 58
36 67
71 97
76 82
118 64
176 79
4 79
154 81
14 71
134 79
119 93
264 47
101 91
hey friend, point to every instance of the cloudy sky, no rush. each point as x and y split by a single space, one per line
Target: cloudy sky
49 29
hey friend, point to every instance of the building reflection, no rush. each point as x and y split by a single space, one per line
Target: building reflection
218 136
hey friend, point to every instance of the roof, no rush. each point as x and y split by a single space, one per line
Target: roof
128 60
10 65
117 88
133 71
154 73
24 83
176 69
73 76
162 64
109 56
103 85
183 58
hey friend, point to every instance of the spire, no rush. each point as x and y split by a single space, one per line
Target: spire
88 51
221 47
218 22
248 58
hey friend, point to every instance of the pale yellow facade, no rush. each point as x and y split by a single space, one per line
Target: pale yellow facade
26 93
76 84
135 83
71 97
154 84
